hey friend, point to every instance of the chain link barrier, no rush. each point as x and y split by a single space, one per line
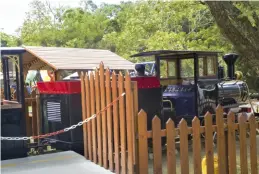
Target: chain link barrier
63 130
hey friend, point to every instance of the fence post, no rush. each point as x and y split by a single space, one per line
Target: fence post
33 113
253 146
142 143
135 121
196 145
109 120
34 117
104 118
38 112
27 118
122 120
170 136
231 144
157 150
94 135
88 114
83 99
242 141
184 154
115 124
209 143
98 118
129 116
221 141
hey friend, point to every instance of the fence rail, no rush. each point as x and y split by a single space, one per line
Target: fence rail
225 137
109 139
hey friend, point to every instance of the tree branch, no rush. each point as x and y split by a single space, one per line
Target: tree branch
238 39
242 22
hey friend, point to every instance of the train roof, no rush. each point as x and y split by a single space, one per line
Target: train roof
175 54
145 62
12 50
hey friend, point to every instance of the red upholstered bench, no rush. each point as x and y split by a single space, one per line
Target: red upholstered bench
146 82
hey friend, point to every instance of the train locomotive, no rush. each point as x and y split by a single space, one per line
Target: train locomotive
194 84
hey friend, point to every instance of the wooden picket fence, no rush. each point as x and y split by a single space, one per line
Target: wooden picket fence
109 140
226 144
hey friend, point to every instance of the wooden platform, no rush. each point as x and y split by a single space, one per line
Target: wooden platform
62 162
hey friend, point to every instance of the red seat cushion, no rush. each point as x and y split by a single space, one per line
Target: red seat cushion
146 82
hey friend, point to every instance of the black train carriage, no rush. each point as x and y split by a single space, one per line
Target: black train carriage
13 110
60 108
150 100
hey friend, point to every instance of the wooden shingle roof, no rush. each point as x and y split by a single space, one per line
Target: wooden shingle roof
59 58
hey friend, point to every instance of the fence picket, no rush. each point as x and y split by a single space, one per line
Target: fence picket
103 115
98 118
83 99
134 122
33 112
253 146
88 114
157 150
170 141
94 135
142 139
129 118
196 145
109 120
122 124
184 154
27 119
242 141
115 124
231 144
38 113
34 117
209 143
222 158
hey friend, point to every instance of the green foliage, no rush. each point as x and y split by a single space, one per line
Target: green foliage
8 40
129 28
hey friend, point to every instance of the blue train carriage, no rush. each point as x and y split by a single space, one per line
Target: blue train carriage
12 108
191 83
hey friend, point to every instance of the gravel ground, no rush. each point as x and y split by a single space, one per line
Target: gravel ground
203 154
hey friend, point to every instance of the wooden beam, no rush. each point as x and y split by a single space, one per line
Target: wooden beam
43 66
58 75
27 66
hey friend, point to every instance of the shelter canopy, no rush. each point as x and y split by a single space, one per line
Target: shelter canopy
58 58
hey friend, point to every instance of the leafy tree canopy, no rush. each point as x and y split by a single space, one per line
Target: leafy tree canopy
128 28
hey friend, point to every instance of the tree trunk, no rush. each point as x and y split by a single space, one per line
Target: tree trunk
238 29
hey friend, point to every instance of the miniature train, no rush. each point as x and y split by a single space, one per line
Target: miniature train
177 96
187 97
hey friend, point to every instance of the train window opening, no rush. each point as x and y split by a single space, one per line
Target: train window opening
9 65
211 65
149 68
163 69
187 68
171 68
201 67
207 66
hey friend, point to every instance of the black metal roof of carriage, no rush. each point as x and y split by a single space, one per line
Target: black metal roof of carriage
174 53
12 50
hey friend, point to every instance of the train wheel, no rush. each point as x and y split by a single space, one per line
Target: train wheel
207 106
